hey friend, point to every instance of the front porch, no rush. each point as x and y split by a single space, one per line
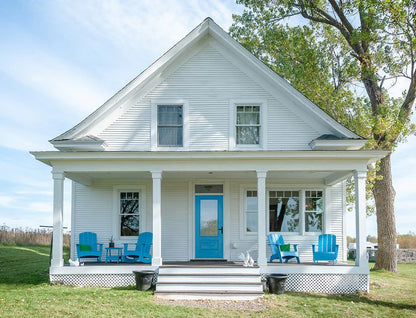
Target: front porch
167 184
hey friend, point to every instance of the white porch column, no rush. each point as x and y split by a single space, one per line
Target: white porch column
157 218
360 178
261 217
58 207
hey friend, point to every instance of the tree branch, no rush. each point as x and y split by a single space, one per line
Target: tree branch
342 16
406 108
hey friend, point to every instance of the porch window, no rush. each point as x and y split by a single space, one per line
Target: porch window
251 211
170 125
248 125
314 209
129 213
284 211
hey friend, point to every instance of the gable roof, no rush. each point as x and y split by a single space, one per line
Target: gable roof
208 26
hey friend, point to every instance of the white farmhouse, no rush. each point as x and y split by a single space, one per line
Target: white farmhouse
215 151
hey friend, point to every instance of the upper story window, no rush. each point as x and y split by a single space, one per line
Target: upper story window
170 125
248 125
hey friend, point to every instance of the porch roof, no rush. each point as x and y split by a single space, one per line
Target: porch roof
325 167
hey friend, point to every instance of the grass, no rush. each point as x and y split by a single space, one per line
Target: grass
24 291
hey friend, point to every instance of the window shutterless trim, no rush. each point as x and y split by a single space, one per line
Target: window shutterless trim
154 124
232 143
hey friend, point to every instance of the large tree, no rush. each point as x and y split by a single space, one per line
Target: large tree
346 56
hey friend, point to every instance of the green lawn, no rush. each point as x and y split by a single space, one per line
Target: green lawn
25 292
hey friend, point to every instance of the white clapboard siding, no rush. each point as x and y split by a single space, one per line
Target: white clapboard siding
208 81
92 211
175 238
335 215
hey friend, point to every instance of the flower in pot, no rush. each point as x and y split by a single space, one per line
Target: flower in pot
111 243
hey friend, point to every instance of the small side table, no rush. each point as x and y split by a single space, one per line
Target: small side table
113 254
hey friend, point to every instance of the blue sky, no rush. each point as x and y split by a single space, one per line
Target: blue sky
60 60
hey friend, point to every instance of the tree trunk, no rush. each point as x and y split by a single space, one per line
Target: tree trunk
384 195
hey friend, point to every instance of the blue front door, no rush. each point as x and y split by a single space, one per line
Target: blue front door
208 226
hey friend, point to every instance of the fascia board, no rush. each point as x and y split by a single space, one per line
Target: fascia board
146 155
219 34
343 144
137 83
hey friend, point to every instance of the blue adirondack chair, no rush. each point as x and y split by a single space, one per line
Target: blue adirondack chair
277 245
88 246
327 249
142 251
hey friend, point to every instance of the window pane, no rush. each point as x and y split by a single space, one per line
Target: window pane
284 212
130 225
248 118
313 222
209 218
208 188
251 221
169 115
251 204
314 204
248 135
170 136
129 206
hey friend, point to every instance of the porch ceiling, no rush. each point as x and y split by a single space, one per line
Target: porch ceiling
281 177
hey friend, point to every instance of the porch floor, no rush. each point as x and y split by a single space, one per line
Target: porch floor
218 264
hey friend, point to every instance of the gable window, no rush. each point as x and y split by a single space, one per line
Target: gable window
248 125
284 211
251 212
170 125
314 209
129 214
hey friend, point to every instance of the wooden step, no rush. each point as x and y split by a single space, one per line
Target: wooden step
197 294
220 282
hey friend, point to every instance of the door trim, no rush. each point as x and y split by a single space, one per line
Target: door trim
219 198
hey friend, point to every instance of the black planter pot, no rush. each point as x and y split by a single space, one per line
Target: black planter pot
144 279
277 283
111 244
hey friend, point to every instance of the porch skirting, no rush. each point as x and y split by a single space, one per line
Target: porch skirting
114 276
328 283
93 280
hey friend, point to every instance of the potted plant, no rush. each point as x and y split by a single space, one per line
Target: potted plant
111 243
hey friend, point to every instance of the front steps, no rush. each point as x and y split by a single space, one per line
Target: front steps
217 283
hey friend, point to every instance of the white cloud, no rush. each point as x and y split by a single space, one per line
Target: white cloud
137 26
6 201
51 76
44 207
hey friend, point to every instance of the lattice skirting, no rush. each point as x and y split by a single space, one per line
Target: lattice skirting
101 280
328 283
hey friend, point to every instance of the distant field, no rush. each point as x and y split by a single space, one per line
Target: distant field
25 292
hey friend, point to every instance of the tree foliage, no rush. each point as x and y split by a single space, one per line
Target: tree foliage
346 56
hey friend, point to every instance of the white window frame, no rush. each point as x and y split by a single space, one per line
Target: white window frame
301 192
154 124
233 124
116 210
324 212
244 235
